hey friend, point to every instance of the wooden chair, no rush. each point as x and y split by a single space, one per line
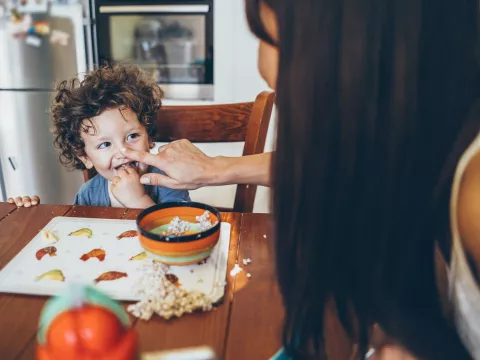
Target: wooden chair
220 123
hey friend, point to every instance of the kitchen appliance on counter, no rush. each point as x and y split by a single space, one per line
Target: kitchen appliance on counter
29 67
170 39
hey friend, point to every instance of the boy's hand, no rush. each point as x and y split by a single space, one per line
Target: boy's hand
128 191
25 201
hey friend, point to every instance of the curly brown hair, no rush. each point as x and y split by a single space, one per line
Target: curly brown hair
109 86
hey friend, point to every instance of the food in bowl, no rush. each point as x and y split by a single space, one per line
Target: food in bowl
180 233
179 227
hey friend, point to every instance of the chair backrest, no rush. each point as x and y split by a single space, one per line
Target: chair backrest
220 123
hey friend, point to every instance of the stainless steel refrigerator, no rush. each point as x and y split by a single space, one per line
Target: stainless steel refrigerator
29 163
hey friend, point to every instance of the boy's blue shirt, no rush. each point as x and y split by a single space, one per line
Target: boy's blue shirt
95 192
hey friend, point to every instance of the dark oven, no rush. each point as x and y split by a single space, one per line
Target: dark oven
171 40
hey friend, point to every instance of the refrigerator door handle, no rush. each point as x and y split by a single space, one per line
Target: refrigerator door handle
11 160
3 191
89 24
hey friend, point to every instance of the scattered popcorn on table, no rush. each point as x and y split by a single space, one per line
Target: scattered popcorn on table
161 297
247 261
236 269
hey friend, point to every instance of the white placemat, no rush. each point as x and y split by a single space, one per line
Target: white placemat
19 276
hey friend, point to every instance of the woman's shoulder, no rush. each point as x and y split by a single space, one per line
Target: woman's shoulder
468 209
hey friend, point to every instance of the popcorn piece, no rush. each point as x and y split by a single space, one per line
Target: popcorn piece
249 275
177 227
247 261
236 270
204 221
264 236
221 283
161 297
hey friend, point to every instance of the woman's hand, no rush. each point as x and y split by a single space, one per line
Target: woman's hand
187 167
25 201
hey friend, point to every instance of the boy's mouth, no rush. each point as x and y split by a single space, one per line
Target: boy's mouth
133 164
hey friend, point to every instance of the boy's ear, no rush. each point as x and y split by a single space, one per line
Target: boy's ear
86 161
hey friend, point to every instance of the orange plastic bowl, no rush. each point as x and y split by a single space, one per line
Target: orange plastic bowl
177 250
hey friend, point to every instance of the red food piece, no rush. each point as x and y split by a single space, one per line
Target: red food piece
173 279
98 253
128 233
50 250
111 275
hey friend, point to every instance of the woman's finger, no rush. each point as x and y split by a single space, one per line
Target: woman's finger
10 200
160 180
144 157
35 200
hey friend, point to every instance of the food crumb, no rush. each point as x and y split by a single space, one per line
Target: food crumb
264 236
204 261
247 261
249 275
172 278
236 269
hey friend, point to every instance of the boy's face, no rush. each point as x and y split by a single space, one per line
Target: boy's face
114 129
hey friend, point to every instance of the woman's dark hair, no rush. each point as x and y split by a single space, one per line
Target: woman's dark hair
374 98
110 86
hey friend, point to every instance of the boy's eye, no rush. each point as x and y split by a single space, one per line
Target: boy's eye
103 145
133 136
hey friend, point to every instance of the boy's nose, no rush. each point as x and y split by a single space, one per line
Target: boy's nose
118 154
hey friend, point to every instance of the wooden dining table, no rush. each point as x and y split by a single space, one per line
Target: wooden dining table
246 325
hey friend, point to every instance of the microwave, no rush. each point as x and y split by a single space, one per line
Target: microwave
171 40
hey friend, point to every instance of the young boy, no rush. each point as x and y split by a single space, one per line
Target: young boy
113 107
